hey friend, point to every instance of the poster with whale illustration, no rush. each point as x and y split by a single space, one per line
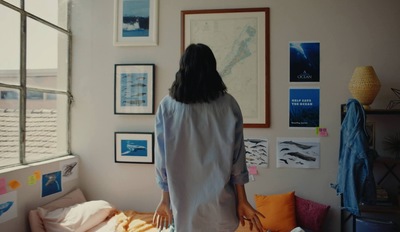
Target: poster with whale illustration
8 206
304 61
256 152
298 152
51 183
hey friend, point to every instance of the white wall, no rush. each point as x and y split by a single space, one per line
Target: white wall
351 33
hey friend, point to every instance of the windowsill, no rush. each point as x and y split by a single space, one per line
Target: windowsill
20 167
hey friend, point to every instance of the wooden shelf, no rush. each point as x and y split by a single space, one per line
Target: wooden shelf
387 160
382 111
380 209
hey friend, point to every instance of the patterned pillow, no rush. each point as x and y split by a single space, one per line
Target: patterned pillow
310 215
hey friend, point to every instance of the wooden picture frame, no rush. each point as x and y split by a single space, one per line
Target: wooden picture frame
240 40
134 147
135 22
134 88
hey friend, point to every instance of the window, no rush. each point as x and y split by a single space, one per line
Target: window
35 95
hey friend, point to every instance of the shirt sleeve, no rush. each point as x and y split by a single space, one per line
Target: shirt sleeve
240 173
161 174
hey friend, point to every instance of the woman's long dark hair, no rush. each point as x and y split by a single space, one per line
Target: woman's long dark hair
197 80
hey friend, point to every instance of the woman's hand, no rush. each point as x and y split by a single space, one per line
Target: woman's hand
163 215
247 213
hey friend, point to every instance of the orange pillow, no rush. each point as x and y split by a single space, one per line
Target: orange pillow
279 211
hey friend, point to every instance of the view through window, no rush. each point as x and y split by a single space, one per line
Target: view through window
34 80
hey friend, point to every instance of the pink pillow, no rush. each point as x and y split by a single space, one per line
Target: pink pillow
310 215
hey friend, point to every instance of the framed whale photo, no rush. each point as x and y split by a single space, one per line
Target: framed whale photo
134 89
135 22
134 147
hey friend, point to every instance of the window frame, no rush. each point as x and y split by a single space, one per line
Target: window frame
22 85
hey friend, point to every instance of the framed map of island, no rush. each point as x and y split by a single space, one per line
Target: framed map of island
240 41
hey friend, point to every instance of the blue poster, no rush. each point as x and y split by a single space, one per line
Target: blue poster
51 183
304 62
304 107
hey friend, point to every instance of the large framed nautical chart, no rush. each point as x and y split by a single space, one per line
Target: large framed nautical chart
240 41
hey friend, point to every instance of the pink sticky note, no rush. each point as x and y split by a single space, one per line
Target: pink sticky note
252 170
3 186
323 132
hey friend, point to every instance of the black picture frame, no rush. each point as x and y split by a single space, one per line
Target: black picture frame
134 89
134 147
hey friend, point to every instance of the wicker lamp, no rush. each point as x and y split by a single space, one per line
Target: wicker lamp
364 85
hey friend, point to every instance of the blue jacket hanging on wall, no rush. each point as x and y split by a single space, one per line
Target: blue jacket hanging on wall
355 180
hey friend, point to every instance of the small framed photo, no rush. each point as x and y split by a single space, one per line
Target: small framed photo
135 22
134 147
134 89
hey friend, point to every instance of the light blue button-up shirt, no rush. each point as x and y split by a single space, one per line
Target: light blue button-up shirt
199 156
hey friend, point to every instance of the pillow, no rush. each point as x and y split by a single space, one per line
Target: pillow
279 211
310 215
72 198
79 217
35 222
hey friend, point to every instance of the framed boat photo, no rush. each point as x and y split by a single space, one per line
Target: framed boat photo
134 89
135 22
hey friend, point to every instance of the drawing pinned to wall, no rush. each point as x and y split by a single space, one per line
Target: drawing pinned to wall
304 107
298 152
256 152
8 206
304 61
69 170
51 183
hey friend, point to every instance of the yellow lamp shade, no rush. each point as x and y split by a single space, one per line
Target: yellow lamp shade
364 85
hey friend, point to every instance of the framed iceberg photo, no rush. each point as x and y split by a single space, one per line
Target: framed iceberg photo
134 89
135 22
134 147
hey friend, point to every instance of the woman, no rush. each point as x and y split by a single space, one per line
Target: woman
200 153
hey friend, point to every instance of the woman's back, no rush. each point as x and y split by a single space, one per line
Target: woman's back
203 142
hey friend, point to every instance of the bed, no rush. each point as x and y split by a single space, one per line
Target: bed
73 212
